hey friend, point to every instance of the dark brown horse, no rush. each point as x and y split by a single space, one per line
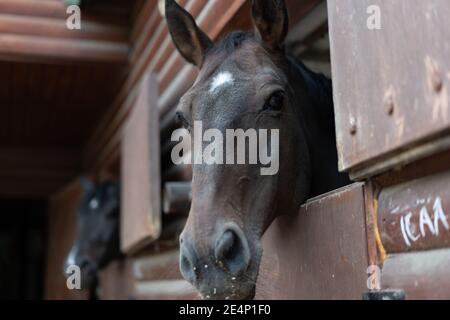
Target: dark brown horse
247 81
97 239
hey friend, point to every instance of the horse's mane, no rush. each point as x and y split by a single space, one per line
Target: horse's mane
320 89
231 42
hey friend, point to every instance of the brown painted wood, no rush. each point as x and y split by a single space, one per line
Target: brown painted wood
319 253
142 12
157 276
52 108
165 290
160 266
56 28
422 275
431 165
394 86
42 8
36 31
141 180
61 233
416 215
110 12
15 47
116 281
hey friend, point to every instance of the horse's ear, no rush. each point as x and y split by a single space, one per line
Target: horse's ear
190 41
271 22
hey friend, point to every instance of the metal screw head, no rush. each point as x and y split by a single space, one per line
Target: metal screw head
389 104
353 128
389 100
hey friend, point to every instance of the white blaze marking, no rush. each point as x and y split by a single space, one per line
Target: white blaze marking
220 80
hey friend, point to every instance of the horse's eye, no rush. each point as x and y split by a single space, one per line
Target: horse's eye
275 102
180 119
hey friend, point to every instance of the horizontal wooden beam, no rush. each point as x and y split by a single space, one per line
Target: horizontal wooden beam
165 290
423 275
56 28
57 9
42 8
15 47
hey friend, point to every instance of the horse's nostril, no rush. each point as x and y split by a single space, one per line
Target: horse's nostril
232 251
187 265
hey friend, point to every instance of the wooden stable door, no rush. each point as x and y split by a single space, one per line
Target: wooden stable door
391 81
319 253
141 172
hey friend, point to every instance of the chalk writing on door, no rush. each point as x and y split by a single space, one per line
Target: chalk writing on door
429 224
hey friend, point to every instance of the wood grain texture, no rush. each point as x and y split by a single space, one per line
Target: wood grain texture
141 176
393 83
53 106
319 253
36 31
61 233
422 275
116 281
416 215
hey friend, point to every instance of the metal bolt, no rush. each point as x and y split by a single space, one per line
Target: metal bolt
353 127
389 103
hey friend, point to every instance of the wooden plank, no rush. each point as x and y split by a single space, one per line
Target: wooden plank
116 281
141 181
391 86
56 28
416 215
61 233
156 267
58 10
50 50
319 253
422 275
165 290
42 8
